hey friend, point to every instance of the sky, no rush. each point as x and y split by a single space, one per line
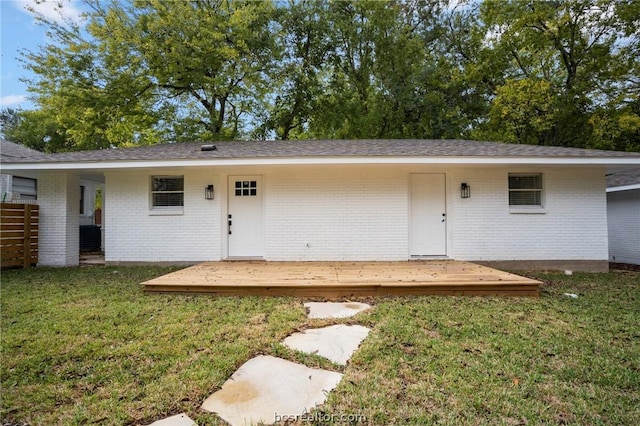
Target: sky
19 30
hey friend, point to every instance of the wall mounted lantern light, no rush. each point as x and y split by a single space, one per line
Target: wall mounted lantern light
208 192
465 190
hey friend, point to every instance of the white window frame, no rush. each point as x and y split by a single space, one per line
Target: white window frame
176 209
24 188
527 208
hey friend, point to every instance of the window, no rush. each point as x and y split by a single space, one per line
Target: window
525 189
81 199
247 188
24 188
167 192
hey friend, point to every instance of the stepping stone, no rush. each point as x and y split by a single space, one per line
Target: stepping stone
266 387
326 310
178 420
336 343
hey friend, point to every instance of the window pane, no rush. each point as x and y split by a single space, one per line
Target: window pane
525 181
525 198
167 184
25 187
167 191
168 199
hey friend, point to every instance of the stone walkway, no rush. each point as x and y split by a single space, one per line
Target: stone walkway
336 343
266 388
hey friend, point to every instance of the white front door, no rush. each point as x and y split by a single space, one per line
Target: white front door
428 220
244 219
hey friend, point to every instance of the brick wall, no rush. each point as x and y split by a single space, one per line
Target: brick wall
59 198
133 232
571 225
361 213
336 213
5 187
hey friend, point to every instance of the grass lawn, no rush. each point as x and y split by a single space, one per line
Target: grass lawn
85 345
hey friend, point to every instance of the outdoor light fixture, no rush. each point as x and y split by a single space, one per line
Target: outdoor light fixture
465 190
208 192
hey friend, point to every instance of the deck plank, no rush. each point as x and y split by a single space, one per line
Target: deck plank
343 279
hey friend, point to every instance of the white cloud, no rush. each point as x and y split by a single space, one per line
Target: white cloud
55 10
12 100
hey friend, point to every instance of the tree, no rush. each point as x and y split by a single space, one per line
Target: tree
523 110
155 70
9 120
559 72
385 77
35 129
304 35
575 47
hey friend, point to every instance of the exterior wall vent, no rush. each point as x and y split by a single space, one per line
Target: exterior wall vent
208 148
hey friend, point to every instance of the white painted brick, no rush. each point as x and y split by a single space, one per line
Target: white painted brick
336 214
361 213
133 233
573 226
59 235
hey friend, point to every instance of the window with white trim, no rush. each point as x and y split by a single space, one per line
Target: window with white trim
24 188
525 189
167 192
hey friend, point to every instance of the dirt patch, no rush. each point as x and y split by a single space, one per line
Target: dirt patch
624 267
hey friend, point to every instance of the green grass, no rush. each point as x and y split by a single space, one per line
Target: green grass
85 345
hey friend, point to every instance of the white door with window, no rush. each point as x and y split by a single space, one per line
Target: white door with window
428 215
245 226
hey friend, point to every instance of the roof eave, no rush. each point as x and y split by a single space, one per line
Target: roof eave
623 187
264 161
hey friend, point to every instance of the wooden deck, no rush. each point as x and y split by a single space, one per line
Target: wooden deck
334 280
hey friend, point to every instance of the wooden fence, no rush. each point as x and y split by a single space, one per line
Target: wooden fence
18 235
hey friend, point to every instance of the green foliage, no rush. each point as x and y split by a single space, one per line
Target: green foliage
567 66
523 110
36 129
520 71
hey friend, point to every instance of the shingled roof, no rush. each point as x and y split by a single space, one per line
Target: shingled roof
10 151
321 148
624 178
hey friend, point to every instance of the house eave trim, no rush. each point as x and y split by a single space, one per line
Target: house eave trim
277 161
623 188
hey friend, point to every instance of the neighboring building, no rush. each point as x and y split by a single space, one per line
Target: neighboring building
334 200
623 216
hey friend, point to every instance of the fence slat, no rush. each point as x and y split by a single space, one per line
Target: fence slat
18 235
27 234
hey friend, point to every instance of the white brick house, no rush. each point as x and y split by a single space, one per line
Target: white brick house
336 200
623 216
